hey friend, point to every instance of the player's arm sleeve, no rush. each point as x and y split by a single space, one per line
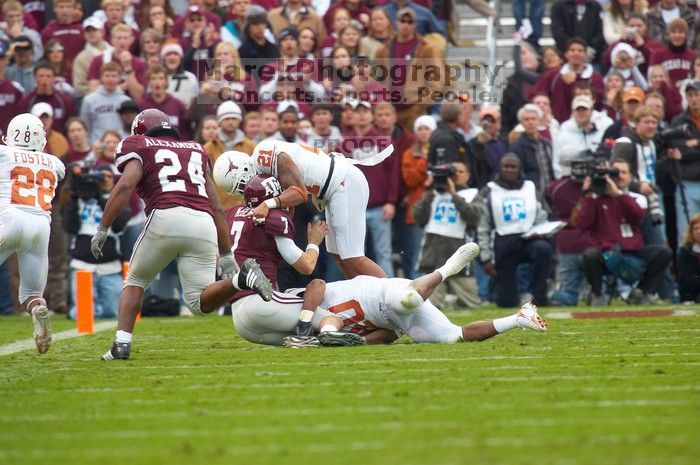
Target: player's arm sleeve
127 150
288 249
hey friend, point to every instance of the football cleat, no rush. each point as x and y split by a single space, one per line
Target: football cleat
460 259
119 351
528 318
299 342
251 277
303 328
42 328
340 339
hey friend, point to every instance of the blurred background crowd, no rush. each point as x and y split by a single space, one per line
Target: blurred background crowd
600 131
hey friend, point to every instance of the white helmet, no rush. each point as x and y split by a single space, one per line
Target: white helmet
26 131
233 170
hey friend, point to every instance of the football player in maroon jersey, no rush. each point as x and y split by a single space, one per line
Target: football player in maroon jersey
185 222
269 243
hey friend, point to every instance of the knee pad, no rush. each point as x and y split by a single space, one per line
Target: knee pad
404 299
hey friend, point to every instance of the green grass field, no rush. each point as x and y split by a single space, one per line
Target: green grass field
600 391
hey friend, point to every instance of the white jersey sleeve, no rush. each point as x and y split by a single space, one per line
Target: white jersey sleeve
28 179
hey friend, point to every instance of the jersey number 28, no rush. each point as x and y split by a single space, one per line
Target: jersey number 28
24 182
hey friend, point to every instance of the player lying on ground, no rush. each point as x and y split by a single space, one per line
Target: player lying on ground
334 182
376 309
269 243
28 179
185 223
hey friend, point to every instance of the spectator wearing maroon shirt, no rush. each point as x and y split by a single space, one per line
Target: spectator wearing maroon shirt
114 14
65 28
133 76
410 51
383 180
159 98
79 148
385 121
34 12
676 57
639 40
184 31
61 103
10 93
340 17
558 84
99 108
357 11
198 41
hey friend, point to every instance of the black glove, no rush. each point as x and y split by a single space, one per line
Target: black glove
303 328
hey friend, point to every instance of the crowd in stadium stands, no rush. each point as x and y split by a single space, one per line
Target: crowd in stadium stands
600 131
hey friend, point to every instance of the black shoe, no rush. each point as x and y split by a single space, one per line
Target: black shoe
340 339
303 328
251 277
119 351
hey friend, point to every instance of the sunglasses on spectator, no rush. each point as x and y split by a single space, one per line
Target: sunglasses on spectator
55 50
406 20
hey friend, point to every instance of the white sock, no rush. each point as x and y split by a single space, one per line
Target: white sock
234 281
328 328
306 315
505 324
123 336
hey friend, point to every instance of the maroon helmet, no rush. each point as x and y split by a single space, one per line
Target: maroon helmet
261 188
152 122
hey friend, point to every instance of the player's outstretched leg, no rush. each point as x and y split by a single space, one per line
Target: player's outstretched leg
251 277
41 324
526 318
425 285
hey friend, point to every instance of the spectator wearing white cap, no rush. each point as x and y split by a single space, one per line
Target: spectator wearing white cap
56 143
12 14
414 173
182 84
95 44
99 108
578 133
229 136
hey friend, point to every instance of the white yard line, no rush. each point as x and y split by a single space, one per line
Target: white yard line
26 344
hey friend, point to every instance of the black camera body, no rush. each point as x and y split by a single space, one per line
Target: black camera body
664 138
594 167
440 175
85 184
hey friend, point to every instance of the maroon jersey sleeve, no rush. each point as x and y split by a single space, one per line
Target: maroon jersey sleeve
278 223
94 68
128 149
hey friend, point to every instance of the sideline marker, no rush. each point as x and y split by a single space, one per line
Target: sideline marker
85 312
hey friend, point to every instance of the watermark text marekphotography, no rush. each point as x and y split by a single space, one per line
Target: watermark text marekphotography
402 82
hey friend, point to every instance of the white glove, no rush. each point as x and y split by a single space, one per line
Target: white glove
98 241
227 264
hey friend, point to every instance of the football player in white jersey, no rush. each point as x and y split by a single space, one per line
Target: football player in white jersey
28 179
365 304
334 182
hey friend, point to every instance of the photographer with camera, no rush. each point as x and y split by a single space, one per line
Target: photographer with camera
686 160
450 212
612 215
511 207
638 147
89 191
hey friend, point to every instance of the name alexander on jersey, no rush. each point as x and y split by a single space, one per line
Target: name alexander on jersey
171 144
